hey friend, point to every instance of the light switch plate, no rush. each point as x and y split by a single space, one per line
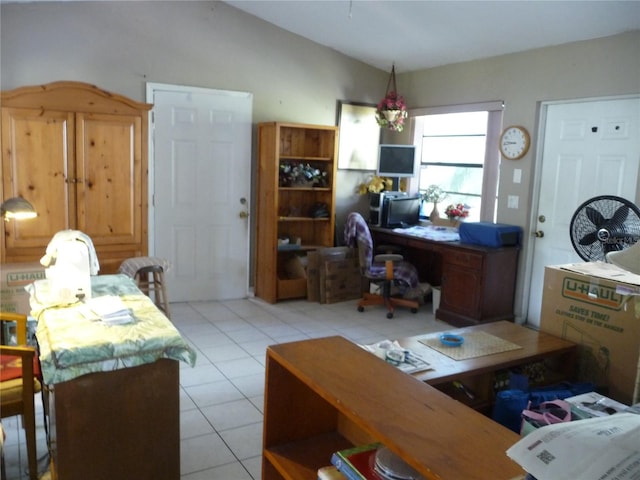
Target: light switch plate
517 175
512 201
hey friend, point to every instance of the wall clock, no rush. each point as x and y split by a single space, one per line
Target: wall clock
514 142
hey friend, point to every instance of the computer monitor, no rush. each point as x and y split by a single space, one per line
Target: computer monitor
396 160
402 212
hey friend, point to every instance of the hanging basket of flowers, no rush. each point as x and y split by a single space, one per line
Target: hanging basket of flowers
392 111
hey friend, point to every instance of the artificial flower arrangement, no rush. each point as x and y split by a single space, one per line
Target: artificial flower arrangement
434 194
375 184
457 211
301 175
391 112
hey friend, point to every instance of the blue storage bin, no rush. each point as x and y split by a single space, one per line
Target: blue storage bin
490 234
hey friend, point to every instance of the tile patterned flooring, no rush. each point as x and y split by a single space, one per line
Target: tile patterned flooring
221 398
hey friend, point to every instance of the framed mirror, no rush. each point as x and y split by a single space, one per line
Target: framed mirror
359 136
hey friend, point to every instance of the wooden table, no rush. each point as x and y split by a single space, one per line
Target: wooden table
479 374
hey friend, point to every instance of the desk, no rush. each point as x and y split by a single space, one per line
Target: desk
113 390
477 283
479 373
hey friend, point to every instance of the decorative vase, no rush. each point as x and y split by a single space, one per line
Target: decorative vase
435 214
391 115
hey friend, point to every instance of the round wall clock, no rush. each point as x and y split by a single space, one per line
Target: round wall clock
514 142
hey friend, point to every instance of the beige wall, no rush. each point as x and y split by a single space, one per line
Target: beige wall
122 45
594 68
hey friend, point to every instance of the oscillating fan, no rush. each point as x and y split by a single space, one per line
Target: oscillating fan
604 224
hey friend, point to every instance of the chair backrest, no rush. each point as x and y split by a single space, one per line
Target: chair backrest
357 234
21 325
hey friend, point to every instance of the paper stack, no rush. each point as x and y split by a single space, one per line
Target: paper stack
110 309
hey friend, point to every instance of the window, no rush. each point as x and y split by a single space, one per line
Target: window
459 152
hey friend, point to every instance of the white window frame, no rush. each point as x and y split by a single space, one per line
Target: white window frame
491 166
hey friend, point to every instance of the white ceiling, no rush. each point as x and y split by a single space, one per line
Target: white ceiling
420 34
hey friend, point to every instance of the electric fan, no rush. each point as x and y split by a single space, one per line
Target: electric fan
604 224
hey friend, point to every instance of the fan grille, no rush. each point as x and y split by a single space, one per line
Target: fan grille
604 224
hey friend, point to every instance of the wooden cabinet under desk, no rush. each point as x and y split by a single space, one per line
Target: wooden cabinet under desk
477 283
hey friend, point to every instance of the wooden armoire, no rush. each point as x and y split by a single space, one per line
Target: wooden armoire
79 155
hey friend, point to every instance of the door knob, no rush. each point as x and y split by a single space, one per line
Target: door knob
243 214
539 234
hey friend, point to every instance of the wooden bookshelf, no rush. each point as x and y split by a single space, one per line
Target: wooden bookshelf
284 208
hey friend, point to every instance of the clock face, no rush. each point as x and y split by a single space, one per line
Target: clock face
514 142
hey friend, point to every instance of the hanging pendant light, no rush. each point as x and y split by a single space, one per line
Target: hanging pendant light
392 111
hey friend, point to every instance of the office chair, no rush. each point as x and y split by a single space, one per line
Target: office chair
19 372
384 270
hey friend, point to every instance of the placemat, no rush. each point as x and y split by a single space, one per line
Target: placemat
476 344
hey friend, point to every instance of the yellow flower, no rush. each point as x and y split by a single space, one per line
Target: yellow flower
375 185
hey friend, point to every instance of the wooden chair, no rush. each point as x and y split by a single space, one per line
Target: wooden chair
150 281
19 383
381 269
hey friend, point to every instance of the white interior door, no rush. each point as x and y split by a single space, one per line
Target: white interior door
201 144
588 149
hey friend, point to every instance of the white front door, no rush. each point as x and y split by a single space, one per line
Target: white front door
201 171
589 148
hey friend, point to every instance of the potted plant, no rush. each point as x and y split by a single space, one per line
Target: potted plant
434 194
457 211
391 112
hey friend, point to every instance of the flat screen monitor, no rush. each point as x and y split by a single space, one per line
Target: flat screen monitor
396 160
402 212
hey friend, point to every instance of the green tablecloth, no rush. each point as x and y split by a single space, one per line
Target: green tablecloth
71 345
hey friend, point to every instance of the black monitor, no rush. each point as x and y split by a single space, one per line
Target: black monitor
402 212
396 160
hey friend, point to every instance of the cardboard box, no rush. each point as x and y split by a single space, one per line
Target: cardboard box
313 276
13 278
585 303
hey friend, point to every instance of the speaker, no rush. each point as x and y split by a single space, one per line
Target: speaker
376 201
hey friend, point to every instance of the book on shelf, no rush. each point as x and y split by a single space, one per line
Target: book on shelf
357 463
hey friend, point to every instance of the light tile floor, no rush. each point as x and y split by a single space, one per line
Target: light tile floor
221 398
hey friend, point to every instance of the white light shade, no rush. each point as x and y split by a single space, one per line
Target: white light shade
17 208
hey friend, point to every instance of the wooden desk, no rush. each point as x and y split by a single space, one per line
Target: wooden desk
477 283
327 394
479 374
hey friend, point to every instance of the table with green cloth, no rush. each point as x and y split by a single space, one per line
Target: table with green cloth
72 345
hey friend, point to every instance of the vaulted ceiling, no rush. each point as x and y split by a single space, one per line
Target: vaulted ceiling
419 34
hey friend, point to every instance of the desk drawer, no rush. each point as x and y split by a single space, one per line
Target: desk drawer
464 259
